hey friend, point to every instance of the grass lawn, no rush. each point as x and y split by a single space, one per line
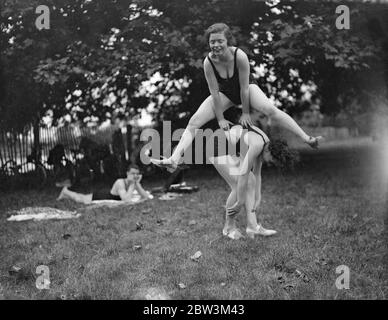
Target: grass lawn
328 212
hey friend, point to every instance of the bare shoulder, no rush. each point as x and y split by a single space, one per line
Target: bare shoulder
209 73
206 62
241 56
209 55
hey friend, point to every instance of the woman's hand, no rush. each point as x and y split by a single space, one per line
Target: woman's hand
236 208
130 180
224 124
138 178
246 120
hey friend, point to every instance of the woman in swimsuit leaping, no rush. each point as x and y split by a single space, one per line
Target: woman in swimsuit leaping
227 72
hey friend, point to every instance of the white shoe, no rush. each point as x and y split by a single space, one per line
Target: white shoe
260 231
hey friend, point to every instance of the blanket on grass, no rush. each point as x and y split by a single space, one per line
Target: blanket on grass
41 213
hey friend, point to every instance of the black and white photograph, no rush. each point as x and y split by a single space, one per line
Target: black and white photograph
214 151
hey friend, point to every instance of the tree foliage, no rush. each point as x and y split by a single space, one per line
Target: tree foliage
94 59
336 61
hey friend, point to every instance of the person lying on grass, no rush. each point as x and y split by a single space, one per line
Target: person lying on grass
242 171
122 190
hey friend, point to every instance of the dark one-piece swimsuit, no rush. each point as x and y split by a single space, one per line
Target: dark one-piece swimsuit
106 195
230 86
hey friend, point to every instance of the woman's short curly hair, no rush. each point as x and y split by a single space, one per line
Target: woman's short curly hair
284 157
220 28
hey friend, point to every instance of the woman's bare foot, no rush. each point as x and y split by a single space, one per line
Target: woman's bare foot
169 164
62 195
313 142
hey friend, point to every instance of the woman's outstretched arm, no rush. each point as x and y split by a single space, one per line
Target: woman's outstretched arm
215 93
140 190
257 174
243 73
126 195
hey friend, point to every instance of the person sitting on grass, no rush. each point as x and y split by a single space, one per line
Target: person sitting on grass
122 190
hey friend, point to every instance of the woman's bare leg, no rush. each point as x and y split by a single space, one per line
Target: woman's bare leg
261 103
230 221
250 202
253 227
75 196
243 177
223 164
257 173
